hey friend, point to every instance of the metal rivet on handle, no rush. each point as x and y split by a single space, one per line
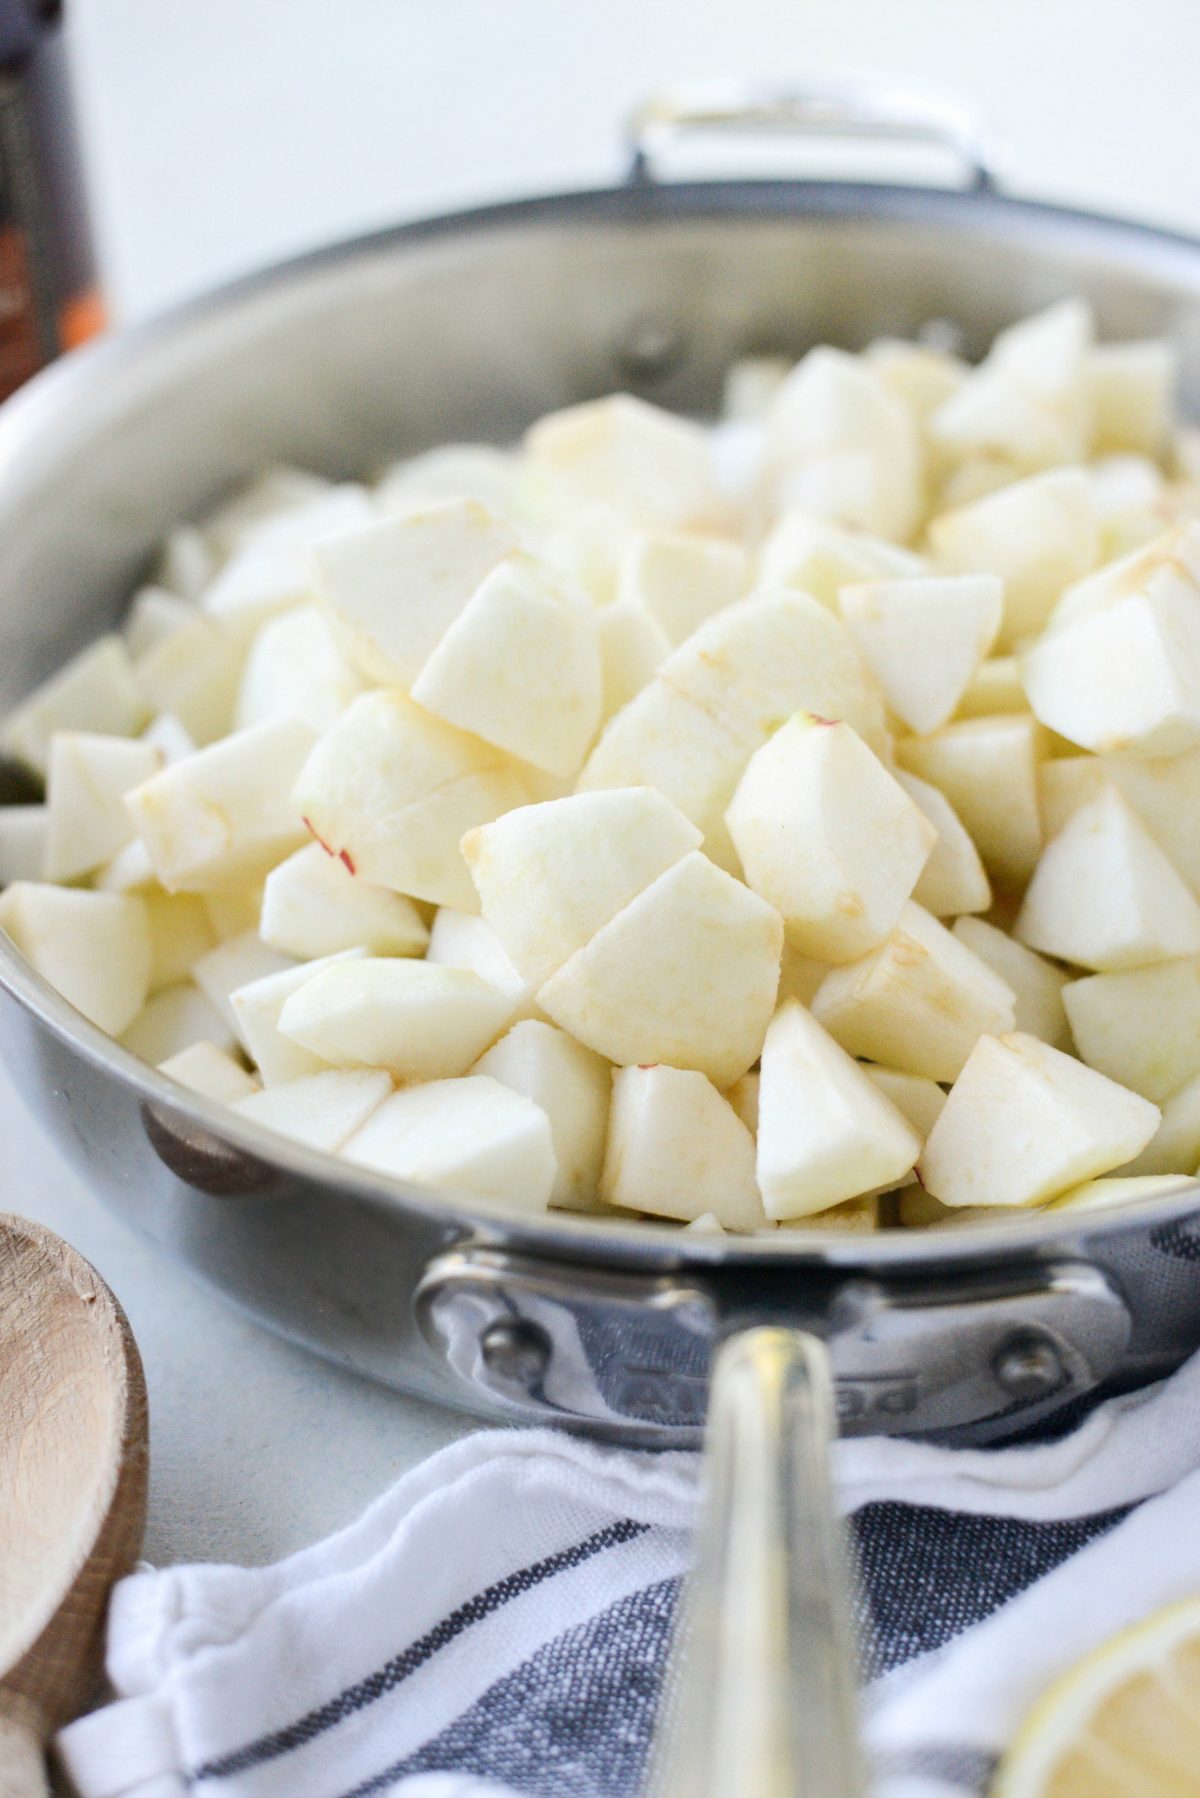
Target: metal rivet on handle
1029 1366
516 1350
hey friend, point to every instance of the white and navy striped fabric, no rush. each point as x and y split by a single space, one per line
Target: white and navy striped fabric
498 1623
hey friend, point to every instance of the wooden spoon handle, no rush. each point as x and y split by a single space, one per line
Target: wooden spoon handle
22 1750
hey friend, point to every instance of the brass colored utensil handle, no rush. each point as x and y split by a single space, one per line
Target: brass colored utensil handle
22 1754
856 108
760 1699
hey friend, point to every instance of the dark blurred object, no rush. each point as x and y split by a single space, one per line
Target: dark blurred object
48 296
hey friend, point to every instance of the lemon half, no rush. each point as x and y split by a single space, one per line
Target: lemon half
1123 1723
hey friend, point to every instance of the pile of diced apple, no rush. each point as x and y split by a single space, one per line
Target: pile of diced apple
789 822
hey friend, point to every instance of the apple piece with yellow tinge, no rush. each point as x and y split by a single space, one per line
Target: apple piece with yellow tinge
1104 895
821 557
953 879
1140 1026
93 948
573 1087
180 933
828 837
394 587
1037 984
194 675
1030 398
418 1020
680 580
174 1020
1025 1123
686 974
994 687
313 906
89 776
987 769
225 814
1037 535
321 1110
550 876
96 691
258 1009
826 1133
842 445
650 466
677 1149
391 791
520 667
918 1003
632 649
1130 387
917 1098
471 1136
296 669
459 939
924 639
1175 1146
210 1073
1096 1195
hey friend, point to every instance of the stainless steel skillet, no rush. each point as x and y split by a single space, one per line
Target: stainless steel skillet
469 327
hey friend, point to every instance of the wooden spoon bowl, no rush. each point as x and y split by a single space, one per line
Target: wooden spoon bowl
73 1467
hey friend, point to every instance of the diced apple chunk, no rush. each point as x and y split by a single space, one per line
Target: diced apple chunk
153 616
923 639
953 879
573 1087
680 581
271 566
23 833
648 465
821 557
1175 1146
520 667
312 906
1028 401
919 1002
225 814
95 691
1125 677
825 1131
258 1012
632 649
1105 896
827 836
459 939
420 1021
994 687
1096 1195
1037 985
1037 535
234 963
391 791
86 785
840 444
472 1136
211 1073
1130 387
172 1021
918 1099
550 876
322 1110
395 588
677 1149
686 974
1025 1123
1141 1027
743 1096
193 674
94 948
987 769
1164 793
166 734
180 933
296 669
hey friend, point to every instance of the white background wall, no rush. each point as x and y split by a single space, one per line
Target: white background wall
226 133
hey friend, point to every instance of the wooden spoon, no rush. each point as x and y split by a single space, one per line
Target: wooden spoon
73 1463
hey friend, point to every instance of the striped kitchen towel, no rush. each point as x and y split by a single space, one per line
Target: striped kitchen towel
499 1621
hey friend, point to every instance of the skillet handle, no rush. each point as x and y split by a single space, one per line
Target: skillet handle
847 107
760 1699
